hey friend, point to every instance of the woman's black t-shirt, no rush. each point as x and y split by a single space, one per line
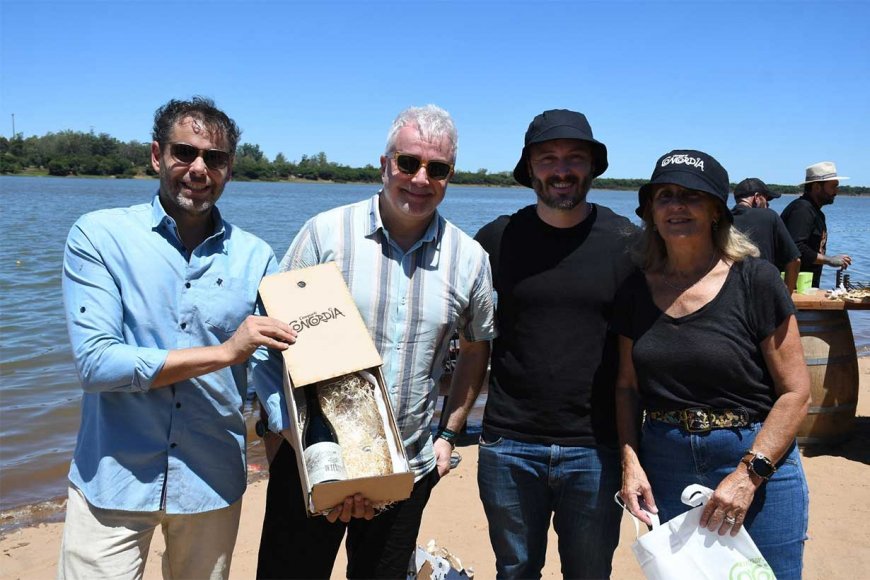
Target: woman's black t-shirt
711 357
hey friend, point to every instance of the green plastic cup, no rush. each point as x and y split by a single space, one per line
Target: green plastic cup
804 282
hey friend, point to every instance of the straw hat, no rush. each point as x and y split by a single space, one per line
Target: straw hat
824 171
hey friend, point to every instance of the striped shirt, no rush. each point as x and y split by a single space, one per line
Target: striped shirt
412 302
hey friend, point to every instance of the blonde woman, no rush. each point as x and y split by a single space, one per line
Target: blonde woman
709 349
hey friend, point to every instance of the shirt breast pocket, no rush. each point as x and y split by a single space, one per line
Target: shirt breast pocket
226 304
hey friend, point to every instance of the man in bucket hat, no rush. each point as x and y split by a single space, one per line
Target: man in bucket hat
806 223
753 217
548 446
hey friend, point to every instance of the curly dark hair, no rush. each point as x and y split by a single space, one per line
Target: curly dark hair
201 108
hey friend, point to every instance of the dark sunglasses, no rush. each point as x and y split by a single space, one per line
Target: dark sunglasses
411 164
187 154
688 196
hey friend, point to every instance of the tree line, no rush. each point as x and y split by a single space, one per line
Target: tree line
78 153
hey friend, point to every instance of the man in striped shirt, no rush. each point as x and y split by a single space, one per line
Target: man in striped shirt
416 278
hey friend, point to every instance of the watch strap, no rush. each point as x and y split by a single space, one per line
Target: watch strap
448 435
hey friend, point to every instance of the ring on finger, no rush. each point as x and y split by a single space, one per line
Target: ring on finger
730 520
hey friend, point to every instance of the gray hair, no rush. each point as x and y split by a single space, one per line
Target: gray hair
433 123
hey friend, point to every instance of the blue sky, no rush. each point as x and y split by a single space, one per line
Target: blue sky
766 87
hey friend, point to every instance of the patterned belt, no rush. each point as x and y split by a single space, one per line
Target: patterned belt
701 419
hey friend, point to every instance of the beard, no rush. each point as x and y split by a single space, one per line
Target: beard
563 201
176 203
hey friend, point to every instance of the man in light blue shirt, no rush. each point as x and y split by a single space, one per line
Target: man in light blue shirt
415 278
160 301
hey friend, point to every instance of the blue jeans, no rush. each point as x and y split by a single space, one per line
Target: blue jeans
777 518
523 485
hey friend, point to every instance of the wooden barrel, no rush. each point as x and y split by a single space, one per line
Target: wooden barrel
829 350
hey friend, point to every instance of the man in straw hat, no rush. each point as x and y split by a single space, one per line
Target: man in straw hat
548 448
753 217
806 223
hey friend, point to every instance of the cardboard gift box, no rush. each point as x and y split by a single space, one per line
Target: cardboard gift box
332 341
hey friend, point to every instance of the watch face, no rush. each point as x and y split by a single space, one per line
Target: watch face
761 467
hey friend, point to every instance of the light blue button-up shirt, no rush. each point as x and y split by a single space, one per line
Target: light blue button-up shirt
132 294
412 301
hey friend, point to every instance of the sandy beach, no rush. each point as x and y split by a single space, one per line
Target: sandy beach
838 546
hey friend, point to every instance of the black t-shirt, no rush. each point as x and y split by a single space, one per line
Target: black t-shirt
554 361
806 224
765 228
711 357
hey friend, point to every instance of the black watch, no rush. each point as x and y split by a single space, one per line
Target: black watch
759 464
261 428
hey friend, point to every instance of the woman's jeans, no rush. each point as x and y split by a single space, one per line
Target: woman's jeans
777 519
524 485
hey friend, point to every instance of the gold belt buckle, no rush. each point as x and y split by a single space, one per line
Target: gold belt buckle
696 420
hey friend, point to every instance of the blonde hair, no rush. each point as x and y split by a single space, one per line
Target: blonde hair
652 254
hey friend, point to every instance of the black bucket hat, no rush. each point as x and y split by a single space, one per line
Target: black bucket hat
693 170
751 186
560 124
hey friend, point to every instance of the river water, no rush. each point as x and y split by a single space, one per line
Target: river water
39 393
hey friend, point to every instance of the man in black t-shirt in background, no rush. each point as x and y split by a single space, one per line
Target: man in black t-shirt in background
548 447
765 228
806 223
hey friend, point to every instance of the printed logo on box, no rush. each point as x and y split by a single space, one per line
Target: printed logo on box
315 318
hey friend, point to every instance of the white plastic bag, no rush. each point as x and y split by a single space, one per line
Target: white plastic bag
682 550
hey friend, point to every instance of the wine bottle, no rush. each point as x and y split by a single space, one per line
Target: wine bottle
321 450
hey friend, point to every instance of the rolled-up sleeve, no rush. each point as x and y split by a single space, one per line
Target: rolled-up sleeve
267 374
94 311
478 323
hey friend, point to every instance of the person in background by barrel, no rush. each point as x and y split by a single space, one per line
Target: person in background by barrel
764 227
709 349
806 223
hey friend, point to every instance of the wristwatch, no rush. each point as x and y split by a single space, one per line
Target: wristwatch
448 435
759 464
261 427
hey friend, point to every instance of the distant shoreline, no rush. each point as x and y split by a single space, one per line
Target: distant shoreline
844 190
